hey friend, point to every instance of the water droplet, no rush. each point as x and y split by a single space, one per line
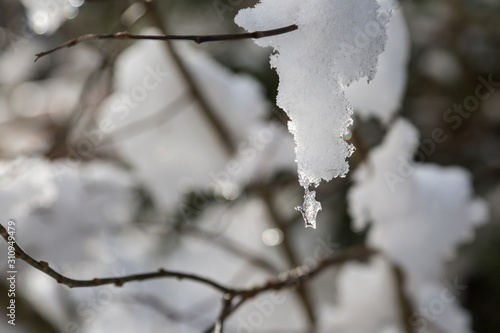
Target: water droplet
347 135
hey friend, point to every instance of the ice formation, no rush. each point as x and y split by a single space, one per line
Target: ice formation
336 44
310 208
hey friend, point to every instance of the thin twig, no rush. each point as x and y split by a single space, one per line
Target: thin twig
117 281
404 300
288 279
141 126
292 258
227 303
98 86
228 312
206 108
195 38
300 275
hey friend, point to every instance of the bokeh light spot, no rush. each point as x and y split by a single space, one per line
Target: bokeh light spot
272 237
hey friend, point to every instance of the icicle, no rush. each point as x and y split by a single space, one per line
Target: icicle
309 208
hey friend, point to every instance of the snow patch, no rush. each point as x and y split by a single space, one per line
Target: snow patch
336 44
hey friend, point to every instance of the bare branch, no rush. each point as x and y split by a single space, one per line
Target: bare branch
206 108
289 279
302 293
227 301
144 124
297 276
117 281
195 38
403 298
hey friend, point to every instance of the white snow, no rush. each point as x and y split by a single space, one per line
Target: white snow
79 222
77 217
381 97
432 210
65 204
45 16
187 154
431 205
367 300
337 43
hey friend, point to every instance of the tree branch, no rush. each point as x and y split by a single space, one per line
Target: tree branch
307 304
195 38
404 300
141 126
289 279
296 277
206 108
117 281
227 301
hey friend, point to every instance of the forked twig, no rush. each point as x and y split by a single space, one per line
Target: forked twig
232 298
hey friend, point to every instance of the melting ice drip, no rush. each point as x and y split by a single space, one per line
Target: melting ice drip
309 208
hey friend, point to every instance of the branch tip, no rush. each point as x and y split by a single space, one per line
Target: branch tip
198 39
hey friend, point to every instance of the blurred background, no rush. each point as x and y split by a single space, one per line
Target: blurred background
119 157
